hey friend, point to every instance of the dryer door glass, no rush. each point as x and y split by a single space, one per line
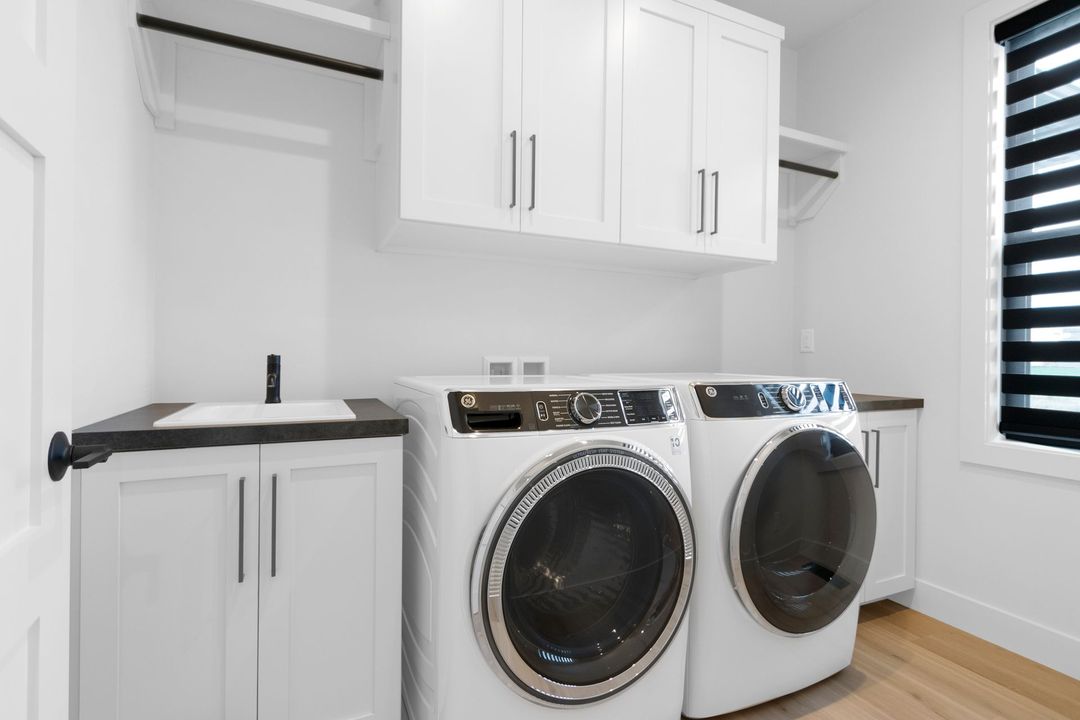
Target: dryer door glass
589 575
803 530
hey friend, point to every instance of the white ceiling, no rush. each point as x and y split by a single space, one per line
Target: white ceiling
803 19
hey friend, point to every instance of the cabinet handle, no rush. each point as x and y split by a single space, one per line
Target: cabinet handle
513 169
240 572
701 226
273 525
877 458
866 445
716 203
532 203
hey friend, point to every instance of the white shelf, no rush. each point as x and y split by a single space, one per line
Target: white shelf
347 30
803 195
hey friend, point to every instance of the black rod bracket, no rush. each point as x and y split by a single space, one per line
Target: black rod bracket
151 22
62 455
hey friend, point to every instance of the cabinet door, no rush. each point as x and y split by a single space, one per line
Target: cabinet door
330 603
890 438
664 161
169 610
743 141
461 113
572 118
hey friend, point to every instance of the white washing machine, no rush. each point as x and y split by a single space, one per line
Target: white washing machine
548 549
786 518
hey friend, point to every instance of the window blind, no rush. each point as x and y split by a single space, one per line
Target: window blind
1040 319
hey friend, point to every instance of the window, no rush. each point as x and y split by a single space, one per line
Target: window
1040 273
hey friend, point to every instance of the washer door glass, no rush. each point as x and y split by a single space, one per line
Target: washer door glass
803 530
590 575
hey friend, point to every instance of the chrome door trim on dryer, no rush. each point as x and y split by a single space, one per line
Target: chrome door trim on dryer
867 524
509 516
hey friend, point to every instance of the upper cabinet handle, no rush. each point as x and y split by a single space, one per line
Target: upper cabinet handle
716 203
513 169
701 226
532 204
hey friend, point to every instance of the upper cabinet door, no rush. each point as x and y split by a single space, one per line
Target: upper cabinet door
743 141
461 113
664 173
572 118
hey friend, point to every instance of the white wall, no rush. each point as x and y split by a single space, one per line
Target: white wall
263 230
878 279
113 287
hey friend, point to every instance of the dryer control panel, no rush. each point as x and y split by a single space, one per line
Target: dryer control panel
491 411
768 399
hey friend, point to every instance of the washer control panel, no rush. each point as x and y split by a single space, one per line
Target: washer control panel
489 411
768 399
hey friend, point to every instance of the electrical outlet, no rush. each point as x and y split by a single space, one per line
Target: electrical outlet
500 365
806 341
534 365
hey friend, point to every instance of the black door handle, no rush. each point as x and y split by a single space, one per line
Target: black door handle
62 455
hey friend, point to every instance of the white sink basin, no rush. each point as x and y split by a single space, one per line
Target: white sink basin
247 413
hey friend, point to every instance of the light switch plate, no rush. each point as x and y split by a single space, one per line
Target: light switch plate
806 341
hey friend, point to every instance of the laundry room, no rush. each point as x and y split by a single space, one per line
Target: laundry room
607 359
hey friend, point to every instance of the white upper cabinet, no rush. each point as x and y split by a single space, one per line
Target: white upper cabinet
743 142
461 113
571 118
648 127
702 126
664 150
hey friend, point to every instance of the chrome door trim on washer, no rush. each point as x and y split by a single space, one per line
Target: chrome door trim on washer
489 563
747 484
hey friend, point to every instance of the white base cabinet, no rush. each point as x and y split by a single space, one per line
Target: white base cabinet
235 583
890 448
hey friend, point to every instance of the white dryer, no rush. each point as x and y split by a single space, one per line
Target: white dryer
786 518
548 549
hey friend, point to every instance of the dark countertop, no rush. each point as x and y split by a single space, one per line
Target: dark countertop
870 403
134 431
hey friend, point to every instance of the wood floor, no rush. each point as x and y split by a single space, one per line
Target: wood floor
908 665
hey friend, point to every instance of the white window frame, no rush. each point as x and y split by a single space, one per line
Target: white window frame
980 269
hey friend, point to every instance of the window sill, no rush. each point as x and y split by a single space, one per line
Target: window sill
1023 457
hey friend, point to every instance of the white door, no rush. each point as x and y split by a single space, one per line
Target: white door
170 585
664 174
743 141
890 438
572 118
330 575
37 94
461 138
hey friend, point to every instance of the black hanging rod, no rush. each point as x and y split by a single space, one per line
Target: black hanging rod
149 22
810 169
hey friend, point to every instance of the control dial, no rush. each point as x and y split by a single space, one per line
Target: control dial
585 408
792 397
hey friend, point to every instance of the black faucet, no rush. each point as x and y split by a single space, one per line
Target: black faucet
273 378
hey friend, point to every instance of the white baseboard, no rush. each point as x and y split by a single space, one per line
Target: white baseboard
1050 647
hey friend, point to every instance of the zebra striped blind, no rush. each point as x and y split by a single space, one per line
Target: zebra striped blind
1040 320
